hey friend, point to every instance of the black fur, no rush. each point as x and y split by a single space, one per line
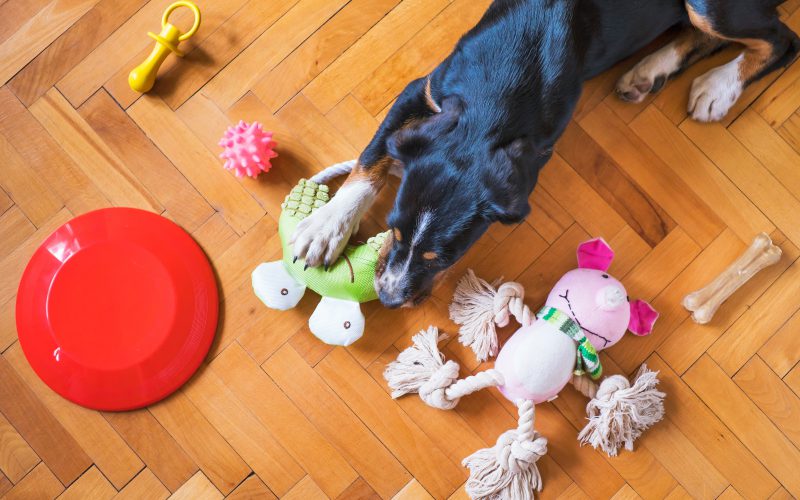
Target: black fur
507 92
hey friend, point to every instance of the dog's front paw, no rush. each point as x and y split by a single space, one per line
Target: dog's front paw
714 93
649 75
321 237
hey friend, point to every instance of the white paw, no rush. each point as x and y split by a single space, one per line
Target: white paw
321 237
649 75
714 93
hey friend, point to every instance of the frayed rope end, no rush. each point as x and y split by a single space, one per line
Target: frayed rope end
621 411
473 310
508 470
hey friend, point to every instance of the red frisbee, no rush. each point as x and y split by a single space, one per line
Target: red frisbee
117 309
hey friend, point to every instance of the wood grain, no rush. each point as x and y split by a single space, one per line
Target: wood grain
273 412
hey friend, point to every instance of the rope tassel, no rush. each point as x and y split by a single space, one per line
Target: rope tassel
508 470
421 368
477 307
621 411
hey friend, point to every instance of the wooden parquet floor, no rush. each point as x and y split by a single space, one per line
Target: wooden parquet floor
273 412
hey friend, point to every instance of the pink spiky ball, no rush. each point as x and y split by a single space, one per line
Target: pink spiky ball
248 149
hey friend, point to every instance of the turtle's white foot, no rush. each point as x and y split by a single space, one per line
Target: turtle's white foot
275 287
337 321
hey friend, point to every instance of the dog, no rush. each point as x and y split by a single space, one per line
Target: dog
471 136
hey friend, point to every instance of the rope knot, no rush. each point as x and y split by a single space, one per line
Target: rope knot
434 390
515 455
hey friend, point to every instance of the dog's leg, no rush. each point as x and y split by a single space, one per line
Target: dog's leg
768 44
652 72
321 237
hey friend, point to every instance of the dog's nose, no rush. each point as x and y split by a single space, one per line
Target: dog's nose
610 297
390 290
390 300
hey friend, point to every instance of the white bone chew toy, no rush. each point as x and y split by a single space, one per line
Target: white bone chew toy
704 302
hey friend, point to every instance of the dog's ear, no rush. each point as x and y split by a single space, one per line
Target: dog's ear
412 139
510 182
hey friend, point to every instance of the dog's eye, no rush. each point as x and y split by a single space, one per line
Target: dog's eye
397 234
429 255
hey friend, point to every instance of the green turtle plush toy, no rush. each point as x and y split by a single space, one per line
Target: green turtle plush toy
338 319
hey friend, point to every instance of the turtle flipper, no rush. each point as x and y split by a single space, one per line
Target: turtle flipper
337 321
275 287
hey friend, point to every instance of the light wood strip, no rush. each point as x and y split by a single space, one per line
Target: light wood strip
37 33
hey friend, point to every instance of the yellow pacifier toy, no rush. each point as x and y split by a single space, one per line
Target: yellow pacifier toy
143 76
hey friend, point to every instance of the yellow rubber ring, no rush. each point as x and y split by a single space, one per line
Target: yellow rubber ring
189 5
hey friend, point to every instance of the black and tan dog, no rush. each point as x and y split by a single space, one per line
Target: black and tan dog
472 136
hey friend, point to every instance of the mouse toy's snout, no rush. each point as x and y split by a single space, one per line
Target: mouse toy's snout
610 298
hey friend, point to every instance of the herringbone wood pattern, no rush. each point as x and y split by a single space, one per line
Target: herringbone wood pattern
275 413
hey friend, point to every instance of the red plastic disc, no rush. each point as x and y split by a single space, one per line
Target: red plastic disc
117 309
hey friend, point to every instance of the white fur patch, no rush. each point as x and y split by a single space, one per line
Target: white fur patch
637 83
715 92
322 236
394 278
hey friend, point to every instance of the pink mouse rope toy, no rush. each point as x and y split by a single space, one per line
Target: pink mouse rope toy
586 311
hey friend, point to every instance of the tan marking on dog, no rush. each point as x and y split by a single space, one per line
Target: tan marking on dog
375 174
429 98
429 255
383 254
757 52
397 234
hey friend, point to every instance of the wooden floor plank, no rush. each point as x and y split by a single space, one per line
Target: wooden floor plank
254 389
370 51
91 153
739 413
51 64
39 483
712 436
336 420
201 441
107 449
302 18
257 446
185 205
59 451
92 484
197 164
273 412
37 33
163 456
16 457
144 485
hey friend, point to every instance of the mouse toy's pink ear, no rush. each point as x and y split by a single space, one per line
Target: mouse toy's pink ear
643 317
595 254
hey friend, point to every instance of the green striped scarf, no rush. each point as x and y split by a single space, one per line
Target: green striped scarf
587 360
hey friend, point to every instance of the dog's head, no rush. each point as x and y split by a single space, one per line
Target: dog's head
454 186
